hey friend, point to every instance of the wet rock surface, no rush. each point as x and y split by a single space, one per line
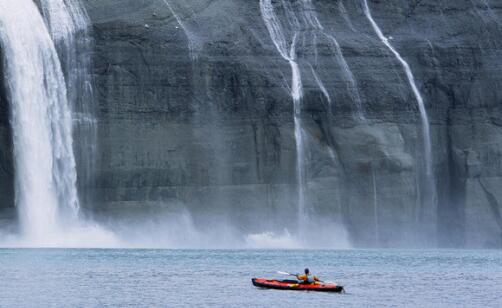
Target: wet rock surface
194 107
6 166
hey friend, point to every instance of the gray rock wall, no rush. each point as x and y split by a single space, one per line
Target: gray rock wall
6 166
199 112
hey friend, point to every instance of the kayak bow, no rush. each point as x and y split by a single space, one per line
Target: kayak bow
294 285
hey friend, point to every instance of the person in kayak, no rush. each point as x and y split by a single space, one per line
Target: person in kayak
308 278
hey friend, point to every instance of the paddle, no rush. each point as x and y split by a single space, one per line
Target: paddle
286 273
289 274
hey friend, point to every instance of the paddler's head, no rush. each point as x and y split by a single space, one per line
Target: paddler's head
307 271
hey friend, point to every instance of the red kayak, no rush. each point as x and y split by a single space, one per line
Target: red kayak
294 285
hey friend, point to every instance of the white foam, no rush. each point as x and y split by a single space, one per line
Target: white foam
271 240
82 236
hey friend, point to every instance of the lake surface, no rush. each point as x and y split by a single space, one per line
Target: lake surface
167 278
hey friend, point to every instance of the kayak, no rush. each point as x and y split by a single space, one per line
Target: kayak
294 285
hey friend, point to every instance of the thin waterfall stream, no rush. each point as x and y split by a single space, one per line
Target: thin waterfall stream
375 204
193 45
286 45
68 26
352 86
288 53
427 143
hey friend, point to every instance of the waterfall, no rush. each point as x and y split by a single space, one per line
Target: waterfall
486 6
306 20
320 84
193 46
375 205
352 87
345 15
40 118
429 174
68 25
288 53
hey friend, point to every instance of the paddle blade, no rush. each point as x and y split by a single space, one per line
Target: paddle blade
284 273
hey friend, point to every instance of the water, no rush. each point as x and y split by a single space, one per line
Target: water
346 17
216 278
430 193
320 84
41 120
287 50
288 27
375 205
352 86
193 41
69 25
483 7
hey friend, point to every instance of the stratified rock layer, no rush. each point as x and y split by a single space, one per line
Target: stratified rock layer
6 166
196 109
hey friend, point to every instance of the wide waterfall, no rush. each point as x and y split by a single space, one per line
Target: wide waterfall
41 121
68 25
429 210
46 176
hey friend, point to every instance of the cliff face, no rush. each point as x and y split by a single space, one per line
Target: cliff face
6 166
195 108
454 51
